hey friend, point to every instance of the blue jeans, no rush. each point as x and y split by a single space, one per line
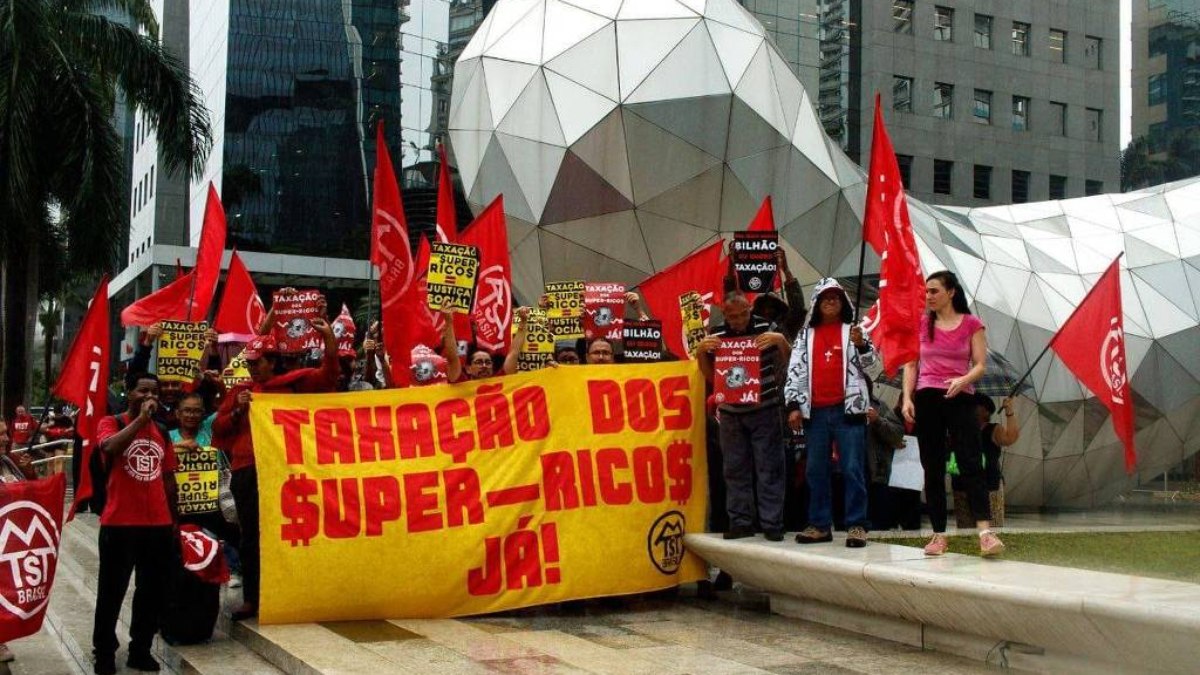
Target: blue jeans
826 425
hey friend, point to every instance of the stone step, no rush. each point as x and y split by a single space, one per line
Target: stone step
74 600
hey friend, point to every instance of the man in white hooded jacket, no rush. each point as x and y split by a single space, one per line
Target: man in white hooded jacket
827 393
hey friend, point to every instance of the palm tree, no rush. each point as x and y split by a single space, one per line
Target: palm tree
1173 157
63 184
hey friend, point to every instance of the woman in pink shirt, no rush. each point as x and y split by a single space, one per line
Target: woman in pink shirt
940 399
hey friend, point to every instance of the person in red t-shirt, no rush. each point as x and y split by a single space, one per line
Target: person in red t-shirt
136 526
23 428
231 433
828 392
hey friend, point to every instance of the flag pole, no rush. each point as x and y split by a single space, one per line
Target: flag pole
862 260
1013 391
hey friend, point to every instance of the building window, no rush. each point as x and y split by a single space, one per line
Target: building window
983 182
943 100
905 162
1020 38
1158 89
902 94
902 12
1092 188
1058 187
983 107
1020 187
151 181
1092 48
1095 121
943 176
1020 113
943 24
983 31
1058 45
1058 118
1156 139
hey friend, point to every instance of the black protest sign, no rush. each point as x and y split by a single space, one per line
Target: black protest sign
642 341
754 260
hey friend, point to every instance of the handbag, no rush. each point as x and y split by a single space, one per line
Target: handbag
225 499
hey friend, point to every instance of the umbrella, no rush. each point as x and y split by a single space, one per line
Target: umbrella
997 380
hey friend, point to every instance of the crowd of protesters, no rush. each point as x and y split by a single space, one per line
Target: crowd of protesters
814 454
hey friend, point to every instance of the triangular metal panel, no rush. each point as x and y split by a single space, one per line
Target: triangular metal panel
526 258
1160 237
1164 318
579 108
669 240
505 81
592 63
535 165
757 89
791 93
507 15
614 236
654 9
697 201
474 48
580 192
737 206
806 186
765 173
522 42
731 13
495 178
603 149
735 47
1171 281
749 133
659 161
468 148
563 259
533 115
1184 347
606 8
567 25
644 44
703 122
691 70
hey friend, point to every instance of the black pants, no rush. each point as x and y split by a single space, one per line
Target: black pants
718 519
245 494
145 552
937 418
752 445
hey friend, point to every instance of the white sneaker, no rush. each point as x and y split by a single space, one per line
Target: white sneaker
235 581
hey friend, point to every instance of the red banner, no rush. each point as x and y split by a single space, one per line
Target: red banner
702 272
241 311
293 327
737 372
1092 344
30 531
603 310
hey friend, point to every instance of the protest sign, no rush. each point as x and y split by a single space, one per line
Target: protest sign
737 372
180 348
642 341
754 260
196 480
453 269
344 332
481 496
603 310
564 309
538 348
695 319
294 312
236 371
31 514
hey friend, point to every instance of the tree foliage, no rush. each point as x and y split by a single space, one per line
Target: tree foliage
1146 162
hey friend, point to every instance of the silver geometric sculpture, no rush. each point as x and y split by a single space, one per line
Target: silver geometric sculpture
624 135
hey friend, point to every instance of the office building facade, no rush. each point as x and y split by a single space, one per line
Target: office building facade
987 102
1166 68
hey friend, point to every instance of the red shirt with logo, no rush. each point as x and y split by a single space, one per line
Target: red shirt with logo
23 428
136 494
828 370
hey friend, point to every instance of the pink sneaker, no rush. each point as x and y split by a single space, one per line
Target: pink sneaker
989 544
937 545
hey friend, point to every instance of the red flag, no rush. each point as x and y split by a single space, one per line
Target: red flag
447 219
403 313
167 303
887 228
703 272
208 257
30 533
202 554
492 314
1092 344
241 311
83 382
430 336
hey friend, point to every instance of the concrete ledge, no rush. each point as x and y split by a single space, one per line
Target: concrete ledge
1045 618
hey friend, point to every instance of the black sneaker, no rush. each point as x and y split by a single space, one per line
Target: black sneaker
738 532
143 662
856 537
106 664
814 535
773 535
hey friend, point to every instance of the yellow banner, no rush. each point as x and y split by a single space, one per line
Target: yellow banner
179 350
479 497
451 276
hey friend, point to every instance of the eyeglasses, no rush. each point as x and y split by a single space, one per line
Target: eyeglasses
603 352
191 411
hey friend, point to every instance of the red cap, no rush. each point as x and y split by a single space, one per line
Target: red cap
260 346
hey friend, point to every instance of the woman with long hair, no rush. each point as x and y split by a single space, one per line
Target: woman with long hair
939 397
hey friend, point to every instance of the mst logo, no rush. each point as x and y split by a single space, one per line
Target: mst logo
664 542
28 553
